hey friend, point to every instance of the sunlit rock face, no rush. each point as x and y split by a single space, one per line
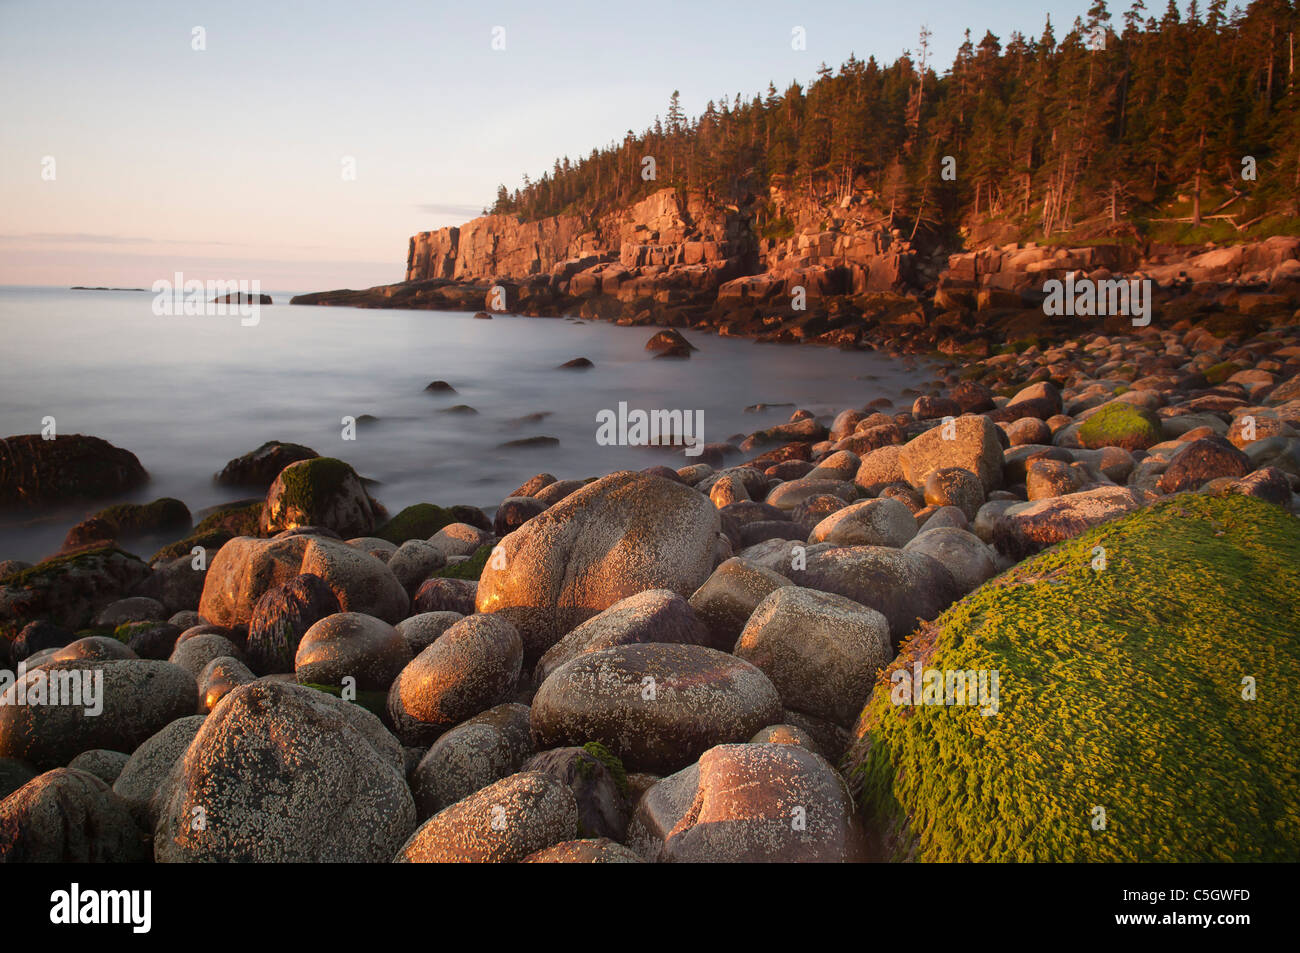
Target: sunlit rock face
621 535
283 773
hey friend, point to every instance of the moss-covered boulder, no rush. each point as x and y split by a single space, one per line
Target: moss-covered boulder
38 472
124 521
320 492
416 522
242 518
1144 711
1120 424
67 590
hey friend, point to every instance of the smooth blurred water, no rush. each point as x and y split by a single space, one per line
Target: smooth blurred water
186 394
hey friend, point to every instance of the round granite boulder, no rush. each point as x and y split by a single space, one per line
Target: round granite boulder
618 536
657 706
281 773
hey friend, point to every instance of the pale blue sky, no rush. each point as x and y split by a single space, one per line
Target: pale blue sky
227 162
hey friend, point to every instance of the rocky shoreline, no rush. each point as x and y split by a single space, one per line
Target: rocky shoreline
702 663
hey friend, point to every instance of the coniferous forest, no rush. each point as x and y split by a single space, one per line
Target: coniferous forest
1181 123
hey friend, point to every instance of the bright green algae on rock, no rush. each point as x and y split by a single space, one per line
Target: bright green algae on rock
311 484
471 568
419 521
1120 425
1120 689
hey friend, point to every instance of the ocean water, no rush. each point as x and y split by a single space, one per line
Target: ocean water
187 394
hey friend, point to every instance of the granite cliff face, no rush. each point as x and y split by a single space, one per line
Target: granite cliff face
792 268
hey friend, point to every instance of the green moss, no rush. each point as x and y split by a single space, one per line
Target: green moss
1120 425
214 531
135 519
1119 688
1221 372
310 484
471 568
416 522
612 763
57 565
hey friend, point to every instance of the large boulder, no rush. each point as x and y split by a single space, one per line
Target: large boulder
1023 529
68 590
1200 462
1158 656
351 645
260 467
821 651
963 554
281 617
729 596
969 442
114 704
656 706
749 803
471 667
39 472
621 535
879 522
902 586
503 823
656 615
69 816
469 757
286 774
321 491
246 568
151 763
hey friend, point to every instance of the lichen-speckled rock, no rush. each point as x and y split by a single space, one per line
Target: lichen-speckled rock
194 653
969 442
747 803
503 823
321 491
246 568
219 678
821 651
138 697
469 757
69 816
423 629
1023 529
963 554
351 644
880 522
1201 461
151 763
903 586
284 774
102 763
657 615
621 535
594 850
728 597
471 667
656 706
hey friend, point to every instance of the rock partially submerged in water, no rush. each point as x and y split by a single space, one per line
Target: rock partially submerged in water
38 472
260 467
